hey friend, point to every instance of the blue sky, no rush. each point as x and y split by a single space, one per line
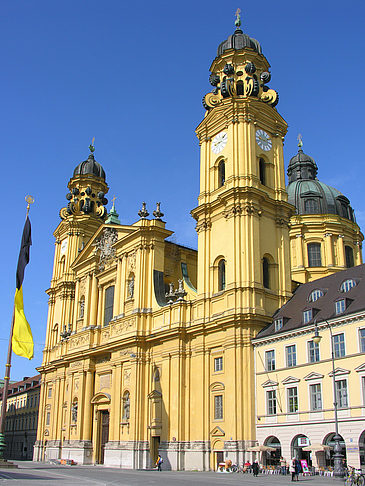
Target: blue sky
132 75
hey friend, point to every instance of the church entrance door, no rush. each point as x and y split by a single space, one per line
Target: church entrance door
104 433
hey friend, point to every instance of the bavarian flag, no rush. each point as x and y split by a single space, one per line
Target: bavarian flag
22 341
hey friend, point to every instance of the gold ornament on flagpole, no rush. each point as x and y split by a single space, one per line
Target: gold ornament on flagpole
29 200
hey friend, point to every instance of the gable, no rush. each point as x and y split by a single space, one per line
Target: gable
313 376
269 383
289 380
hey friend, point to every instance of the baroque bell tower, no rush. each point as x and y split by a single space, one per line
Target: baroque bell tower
243 213
83 215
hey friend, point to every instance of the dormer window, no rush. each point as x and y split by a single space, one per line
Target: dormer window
340 306
315 295
278 323
307 316
347 285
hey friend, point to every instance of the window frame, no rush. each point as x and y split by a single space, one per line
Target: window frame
340 306
271 402
307 316
342 394
278 324
315 350
291 355
221 275
218 407
270 365
347 285
339 346
361 340
315 397
318 293
218 364
109 308
313 255
292 399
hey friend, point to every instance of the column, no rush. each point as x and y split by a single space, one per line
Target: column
88 408
100 306
116 308
340 252
87 301
115 402
329 249
93 300
300 259
76 306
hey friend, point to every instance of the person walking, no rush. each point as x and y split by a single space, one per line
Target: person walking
283 465
292 469
298 468
255 468
159 463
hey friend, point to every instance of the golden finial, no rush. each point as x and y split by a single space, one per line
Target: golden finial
238 18
113 199
300 140
29 200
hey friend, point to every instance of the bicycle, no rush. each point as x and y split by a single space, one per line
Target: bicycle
354 477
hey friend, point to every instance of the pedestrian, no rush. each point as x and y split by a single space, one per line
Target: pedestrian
298 468
255 468
159 463
292 469
283 465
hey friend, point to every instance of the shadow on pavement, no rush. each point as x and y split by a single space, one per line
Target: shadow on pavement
22 476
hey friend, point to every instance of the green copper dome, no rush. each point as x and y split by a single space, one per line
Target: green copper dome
309 195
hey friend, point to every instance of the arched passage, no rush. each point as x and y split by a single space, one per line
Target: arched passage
273 457
329 454
362 448
297 445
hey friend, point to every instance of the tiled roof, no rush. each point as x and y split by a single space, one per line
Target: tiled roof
26 385
323 308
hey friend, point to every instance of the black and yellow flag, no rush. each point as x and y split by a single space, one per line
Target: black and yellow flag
22 341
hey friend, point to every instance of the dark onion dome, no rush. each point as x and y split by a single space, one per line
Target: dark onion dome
237 41
90 167
309 195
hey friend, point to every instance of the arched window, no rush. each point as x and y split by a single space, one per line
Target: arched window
349 253
314 255
347 285
109 303
265 273
81 307
311 206
315 295
262 173
221 173
221 275
74 410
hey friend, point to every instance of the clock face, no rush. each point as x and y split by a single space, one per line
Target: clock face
219 142
263 140
64 246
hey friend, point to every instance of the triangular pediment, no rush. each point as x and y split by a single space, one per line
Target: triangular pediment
339 372
289 380
217 432
313 376
269 383
361 368
88 252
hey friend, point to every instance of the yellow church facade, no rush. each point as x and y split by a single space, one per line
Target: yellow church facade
149 343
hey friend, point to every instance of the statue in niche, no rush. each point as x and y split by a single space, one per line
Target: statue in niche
126 406
74 411
131 287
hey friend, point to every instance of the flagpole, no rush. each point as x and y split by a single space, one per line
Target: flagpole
30 201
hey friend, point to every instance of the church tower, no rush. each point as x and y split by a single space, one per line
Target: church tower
80 219
243 213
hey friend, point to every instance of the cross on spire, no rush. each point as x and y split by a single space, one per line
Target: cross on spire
238 18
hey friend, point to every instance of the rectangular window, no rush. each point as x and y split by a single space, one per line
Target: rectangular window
218 364
48 418
363 389
340 306
218 407
315 397
339 345
271 402
362 340
293 399
278 324
49 392
109 304
291 356
314 255
341 394
313 352
307 316
270 360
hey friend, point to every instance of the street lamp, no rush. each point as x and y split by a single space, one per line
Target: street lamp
338 470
